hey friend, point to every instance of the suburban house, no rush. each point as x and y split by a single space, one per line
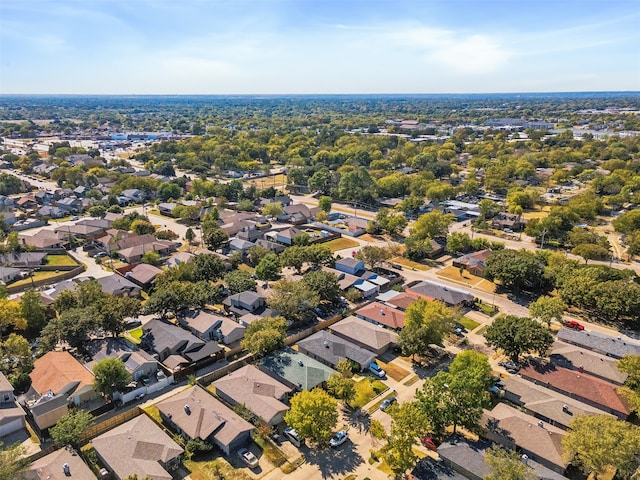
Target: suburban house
474 263
247 301
175 347
508 220
70 204
239 245
330 349
119 286
512 428
62 464
59 372
437 291
381 314
350 265
178 258
367 288
195 413
269 245
167 208
11 415
402 300
260 393
23 259
45 239
141 274
51 212
10 274
576 358
365 334
296 369
579 385
135 253
138 447
137 362
546 404
287 235
468 458
209 326
599 342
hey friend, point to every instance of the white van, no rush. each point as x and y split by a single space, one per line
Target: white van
292 436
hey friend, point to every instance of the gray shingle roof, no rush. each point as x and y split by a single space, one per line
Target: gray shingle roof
332 349
365 333
444 293
599 342
165 335
574 357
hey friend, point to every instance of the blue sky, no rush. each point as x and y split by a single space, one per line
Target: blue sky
318 46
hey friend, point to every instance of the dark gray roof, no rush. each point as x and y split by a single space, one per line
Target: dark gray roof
161 335
208 349
115 283
574 357
430 469
332 349
304 372
599 342
470 456
444 293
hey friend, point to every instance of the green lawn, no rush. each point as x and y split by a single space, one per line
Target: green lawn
134 336
489 310
366 389
410 264
154 413
60 261
468 323
341 243
51 276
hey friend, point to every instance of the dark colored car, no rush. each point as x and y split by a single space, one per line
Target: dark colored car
387 403
510 367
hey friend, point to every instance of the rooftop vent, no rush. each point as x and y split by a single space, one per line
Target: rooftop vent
381 312
187 410
300 363
541 424
326 344
524 459
66 469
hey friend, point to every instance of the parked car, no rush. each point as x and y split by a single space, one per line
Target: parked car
247 457
292 436
377 370
574 325
429 442
387 403
511 367
101 255
339 438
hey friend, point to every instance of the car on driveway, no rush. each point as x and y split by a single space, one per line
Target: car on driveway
574 325
339 438
377 370
511 367
247 457
387 403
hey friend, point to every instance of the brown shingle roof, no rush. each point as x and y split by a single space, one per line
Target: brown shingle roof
384 314
55 370
578 384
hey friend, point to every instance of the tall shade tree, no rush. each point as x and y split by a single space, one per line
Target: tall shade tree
13 461
373 256
294 300
11 316
516 336
110 376
507 465
264 336
314 415
546 309
69 428
17 361
268 267
409 423
426 323
239 281
596 441
342 387
515 269
630 364
325 284
33 311
457 397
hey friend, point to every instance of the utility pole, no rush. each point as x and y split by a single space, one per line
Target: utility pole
544 232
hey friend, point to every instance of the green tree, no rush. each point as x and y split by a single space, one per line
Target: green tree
294 257
589 251
628 222
142 227
373 256
114 310
325 284
189 235
110 376
408 425
458 242
596 441
13 461
314 415
264 336
69 428
507 465
515 269
391 222
425 323
516 336
238 281
73 326
546 309
273 209
324 203
341 387
630 364
17 361
98 211
432 225
457 397
488 208
213 236
151 258
11 316
33 311
208 267
294 300
268 268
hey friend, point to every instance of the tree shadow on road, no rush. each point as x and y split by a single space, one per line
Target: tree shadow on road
357 419
338 461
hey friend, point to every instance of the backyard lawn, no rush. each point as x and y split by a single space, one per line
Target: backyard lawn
405 262
134 336
37 276
341 243
60 261
208 467
452 273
